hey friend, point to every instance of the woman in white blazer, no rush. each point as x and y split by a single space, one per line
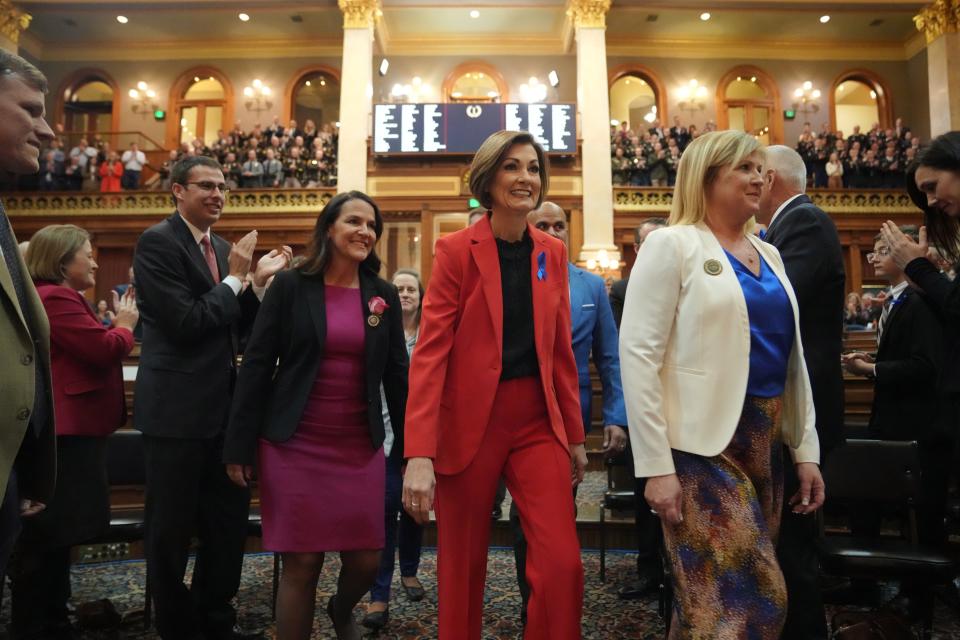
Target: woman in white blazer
715 384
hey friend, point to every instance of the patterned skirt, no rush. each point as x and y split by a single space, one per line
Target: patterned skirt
727 583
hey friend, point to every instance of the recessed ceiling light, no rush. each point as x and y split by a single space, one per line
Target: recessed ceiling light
824 19
307 83
705 16
474 14
244 17
122 19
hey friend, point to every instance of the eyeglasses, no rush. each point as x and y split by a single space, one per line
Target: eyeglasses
879 253
209 187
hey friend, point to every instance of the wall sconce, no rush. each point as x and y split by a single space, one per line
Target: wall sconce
602 262
805 96
651 115
258 97
145 99
692 97
533 91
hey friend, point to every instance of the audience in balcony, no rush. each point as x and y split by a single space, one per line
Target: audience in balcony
134 160
110 172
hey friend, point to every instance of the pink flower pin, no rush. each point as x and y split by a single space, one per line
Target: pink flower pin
377 306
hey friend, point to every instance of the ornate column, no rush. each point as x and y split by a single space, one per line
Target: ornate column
356 92
593 103
940 23
13 22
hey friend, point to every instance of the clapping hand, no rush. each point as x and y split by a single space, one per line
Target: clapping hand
270 264
902 247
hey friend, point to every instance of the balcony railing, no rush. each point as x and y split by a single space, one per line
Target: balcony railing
657 200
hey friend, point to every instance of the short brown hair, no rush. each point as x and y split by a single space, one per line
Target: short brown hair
51 249
487 160
13 65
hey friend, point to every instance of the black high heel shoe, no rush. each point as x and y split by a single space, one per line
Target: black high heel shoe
347 630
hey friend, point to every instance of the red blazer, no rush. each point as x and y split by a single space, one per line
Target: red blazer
456 365
85 362
110 183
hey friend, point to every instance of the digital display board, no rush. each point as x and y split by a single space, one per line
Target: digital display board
462 128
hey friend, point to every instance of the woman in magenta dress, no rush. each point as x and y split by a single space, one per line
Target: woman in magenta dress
307 404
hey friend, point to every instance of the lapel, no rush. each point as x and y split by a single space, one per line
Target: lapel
373 337
183 233
796 202
576 296
483 248
727 276
542 309
221 249
316 307
6 283
894 312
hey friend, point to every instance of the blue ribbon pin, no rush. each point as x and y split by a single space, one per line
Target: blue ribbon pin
542 266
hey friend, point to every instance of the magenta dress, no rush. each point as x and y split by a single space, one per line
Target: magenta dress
322 490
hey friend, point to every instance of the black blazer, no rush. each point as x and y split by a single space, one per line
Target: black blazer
191 333
618 293
284 354
807 240
943 296
905 397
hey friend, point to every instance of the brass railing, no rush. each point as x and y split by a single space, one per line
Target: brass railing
847 201
126 203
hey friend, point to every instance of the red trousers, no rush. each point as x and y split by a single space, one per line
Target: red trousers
519 445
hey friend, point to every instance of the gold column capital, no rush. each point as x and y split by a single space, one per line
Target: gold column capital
940 17
13 21
588 13
358 14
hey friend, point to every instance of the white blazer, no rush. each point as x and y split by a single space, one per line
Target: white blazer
685 352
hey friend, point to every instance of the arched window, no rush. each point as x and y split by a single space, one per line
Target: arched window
313 94
474 82
88 102
859 98
636 97
201 103
749 100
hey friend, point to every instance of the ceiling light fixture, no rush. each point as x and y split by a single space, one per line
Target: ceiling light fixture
824 19
705 16
244 17
474 14
123 19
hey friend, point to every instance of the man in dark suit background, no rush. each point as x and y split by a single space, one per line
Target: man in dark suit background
189 284
646 523
808 243
618 291
27 440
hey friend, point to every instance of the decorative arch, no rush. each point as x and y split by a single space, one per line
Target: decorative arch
650 76
179 88
884 97
297 78
474 65
77 79
772 101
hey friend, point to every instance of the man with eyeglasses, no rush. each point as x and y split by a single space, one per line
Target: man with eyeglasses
194 312
808 242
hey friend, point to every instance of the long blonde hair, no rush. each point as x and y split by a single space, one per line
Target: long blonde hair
701 162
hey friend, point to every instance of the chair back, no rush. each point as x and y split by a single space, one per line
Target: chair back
873 471
126 464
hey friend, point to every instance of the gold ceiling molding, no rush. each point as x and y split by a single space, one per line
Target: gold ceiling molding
359 14
943 16
589 13
13 21
183 50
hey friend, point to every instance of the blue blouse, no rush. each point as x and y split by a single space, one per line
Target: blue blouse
771 328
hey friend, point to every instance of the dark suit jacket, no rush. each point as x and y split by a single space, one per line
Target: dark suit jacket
943 296
807 240
284 353
618 292
191 331
905 398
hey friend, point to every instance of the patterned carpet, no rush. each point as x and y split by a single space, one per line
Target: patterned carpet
605 616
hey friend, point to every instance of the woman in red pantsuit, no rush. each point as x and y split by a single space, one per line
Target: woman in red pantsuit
496 393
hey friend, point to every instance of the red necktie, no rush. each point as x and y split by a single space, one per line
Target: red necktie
210 257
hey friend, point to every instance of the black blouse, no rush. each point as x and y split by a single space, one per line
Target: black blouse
519 347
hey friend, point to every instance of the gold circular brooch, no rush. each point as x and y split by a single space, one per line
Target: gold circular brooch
712 267
373 321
